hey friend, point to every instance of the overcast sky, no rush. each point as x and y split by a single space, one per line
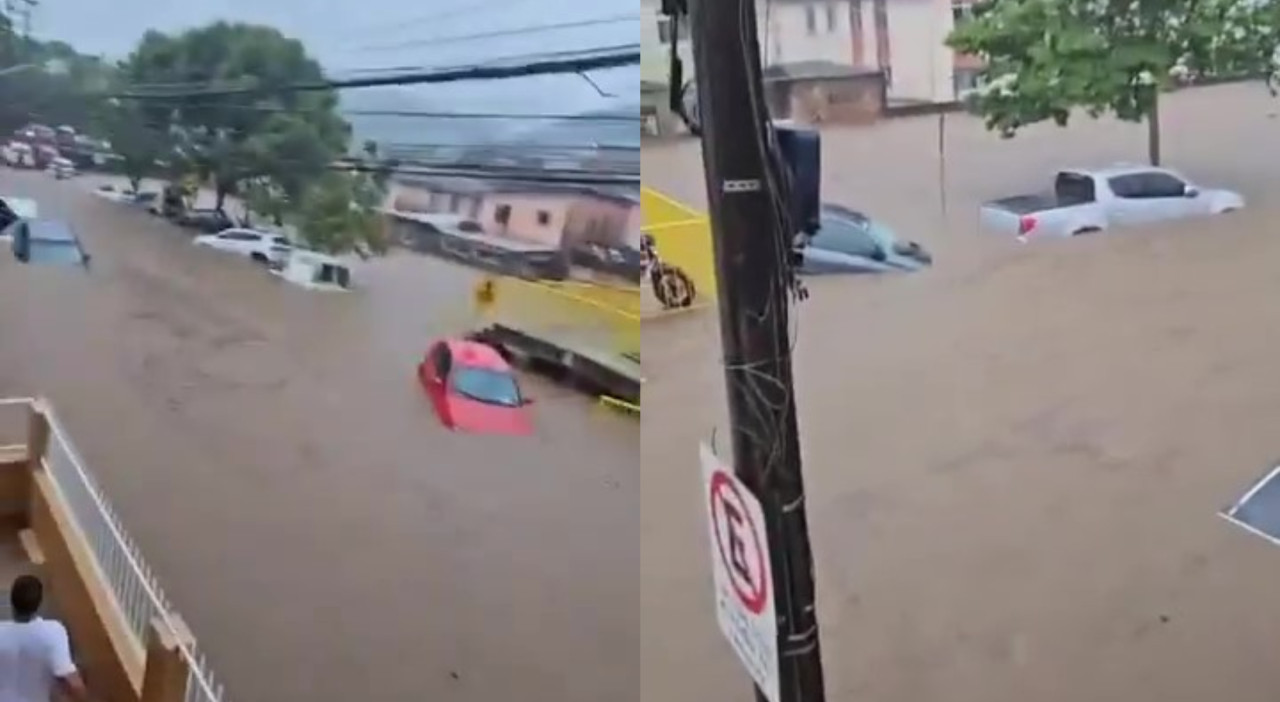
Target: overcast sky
364 34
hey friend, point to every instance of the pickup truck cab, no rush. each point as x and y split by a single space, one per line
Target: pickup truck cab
1090 201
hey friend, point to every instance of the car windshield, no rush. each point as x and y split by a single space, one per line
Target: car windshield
488 386
842 219
60 252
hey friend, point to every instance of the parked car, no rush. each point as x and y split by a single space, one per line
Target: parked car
204 221
46 241
142 199
264 247
61 168
849 241
14 208
472 388
1086 202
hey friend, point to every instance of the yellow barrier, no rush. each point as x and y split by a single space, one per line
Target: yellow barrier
614 403
682 236
601 317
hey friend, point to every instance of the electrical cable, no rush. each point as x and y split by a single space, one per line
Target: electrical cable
344 74
488 71
519 31
498 146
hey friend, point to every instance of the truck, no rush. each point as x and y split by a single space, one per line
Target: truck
1092 201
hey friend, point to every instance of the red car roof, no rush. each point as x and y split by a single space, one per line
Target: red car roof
476 355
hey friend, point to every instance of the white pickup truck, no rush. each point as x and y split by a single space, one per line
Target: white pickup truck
1085 202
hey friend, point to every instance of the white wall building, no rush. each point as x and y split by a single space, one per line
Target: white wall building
906 37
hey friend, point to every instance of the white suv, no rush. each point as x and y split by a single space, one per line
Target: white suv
263 247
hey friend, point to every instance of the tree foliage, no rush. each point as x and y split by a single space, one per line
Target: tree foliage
46 82
287 136
1045 58
139 143
339 214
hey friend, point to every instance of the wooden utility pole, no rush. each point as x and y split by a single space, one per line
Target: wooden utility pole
744 192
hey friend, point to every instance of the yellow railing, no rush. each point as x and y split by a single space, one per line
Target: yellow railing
603 317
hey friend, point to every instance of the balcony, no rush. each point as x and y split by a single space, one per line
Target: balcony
129 643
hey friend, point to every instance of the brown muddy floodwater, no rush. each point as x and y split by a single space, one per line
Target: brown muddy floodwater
325 539
1014 460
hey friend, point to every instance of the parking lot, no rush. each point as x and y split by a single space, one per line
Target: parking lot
1014 460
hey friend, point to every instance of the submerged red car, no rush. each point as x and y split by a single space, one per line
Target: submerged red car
474 389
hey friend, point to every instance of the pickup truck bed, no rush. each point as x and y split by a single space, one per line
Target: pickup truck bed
1026 204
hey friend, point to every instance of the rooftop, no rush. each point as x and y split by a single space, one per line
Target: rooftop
478 186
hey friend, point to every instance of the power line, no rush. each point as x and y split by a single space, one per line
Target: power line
459 38
486 173
490 71
427 114
550 116
516 146
346 74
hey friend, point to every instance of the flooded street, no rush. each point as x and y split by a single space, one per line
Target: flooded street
270 450
1013 460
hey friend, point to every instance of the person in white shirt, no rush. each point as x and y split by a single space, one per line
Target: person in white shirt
35 653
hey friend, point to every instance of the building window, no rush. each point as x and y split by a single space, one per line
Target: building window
544 218
502 214
833 20
455 202
810 19
961 11
474 211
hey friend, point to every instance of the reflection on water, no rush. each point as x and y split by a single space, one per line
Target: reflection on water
324 536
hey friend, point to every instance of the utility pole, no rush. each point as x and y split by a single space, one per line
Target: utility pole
752 264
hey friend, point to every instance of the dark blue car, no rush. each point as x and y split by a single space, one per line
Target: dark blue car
46 241
848 241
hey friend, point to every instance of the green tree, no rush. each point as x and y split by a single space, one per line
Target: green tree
140 144
289 136
339 213
1045 58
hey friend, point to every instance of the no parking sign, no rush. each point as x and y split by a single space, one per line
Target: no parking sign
742 573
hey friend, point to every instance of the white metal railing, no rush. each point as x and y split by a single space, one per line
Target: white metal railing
127 574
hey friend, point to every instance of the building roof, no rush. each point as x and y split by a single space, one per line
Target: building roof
477 186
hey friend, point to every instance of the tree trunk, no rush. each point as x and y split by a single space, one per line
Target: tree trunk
1153 129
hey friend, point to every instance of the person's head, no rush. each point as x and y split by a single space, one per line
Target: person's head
25 596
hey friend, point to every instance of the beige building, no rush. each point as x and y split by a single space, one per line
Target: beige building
541 214
904 38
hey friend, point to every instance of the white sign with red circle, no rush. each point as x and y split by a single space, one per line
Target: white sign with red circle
743 577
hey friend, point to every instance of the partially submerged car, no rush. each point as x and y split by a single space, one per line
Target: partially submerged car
472 388
314 271
262 247
849 241
46 241
1092 201
205 221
